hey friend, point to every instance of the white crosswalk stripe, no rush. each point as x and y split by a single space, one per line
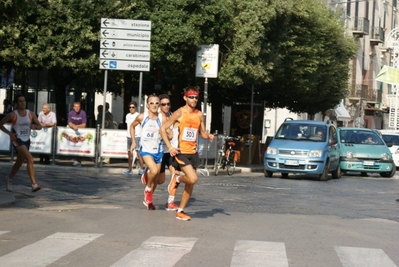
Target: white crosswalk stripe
3 232
259 253
47 250
158 251
363 257
168 251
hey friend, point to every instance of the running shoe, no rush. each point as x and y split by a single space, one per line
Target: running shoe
147 196
141 171
8 185
172 187
150 206
182 216
144 176
35 187
127 172
171 206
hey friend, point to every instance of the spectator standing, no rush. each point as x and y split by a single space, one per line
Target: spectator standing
77 119
130 117
22 121
46 118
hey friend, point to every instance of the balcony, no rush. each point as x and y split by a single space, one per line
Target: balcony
377 36
374 95
359 91
359 26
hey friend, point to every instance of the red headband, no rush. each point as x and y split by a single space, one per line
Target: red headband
191 93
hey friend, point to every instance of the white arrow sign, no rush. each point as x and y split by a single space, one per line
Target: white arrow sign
124 65
124 54
125 44
144 25
126 34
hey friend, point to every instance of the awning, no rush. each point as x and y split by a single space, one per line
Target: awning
341 113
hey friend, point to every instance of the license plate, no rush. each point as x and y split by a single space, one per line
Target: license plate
368 163
291 162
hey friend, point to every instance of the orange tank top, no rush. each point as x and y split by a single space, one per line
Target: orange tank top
188 131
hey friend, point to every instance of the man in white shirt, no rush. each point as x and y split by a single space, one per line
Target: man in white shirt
46 118
130 117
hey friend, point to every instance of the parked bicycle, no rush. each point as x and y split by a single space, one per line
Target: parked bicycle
227 158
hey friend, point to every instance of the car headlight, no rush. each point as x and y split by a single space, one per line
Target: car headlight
386 156
271 150
350 155
316 153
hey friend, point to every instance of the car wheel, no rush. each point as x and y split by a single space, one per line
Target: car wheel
336 174
268 173
324 175
388 174
284 175
363 174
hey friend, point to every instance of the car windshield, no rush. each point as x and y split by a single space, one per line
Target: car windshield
302 132
391 139
360 137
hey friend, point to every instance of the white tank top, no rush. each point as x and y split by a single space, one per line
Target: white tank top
21 125
150 139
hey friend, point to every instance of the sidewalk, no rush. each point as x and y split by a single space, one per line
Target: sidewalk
115 166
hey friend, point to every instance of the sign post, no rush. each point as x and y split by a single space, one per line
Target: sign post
125 45
207 67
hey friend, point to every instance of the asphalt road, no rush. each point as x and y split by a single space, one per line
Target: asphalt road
243 220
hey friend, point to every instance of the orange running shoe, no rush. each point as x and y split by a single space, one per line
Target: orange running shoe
171 206
172 187
182 216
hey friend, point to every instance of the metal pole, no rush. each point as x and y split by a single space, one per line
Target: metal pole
205 115
250 126
105 94
140 88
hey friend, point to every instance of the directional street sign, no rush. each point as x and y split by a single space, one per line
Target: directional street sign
125 44
144 25
125 55
126 34
124 65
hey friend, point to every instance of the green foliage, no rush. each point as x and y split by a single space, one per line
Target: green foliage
293 51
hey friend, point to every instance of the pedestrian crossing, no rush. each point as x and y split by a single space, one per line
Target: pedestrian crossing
166 251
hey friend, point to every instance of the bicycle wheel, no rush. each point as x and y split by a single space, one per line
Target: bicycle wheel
231 165
218 164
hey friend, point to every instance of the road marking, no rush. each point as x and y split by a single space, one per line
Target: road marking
363 257
47 250
158 251
259 253
3 232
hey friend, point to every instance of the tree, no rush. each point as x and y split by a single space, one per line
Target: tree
60 36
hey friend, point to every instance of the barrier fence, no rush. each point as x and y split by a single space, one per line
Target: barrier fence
90 142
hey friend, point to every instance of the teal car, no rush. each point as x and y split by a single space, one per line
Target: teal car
363 150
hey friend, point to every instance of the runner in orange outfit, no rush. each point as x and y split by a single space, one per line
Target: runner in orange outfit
191 122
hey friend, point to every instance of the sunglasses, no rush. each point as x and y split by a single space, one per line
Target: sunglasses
165 104
132 107
193 97
153 103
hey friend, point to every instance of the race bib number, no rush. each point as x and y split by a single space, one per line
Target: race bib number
189 134
150 135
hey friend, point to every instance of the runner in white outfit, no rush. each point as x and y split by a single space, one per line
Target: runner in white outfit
150 147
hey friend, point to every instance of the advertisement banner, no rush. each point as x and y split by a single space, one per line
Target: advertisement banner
76 143
113 143
40 140
5 139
